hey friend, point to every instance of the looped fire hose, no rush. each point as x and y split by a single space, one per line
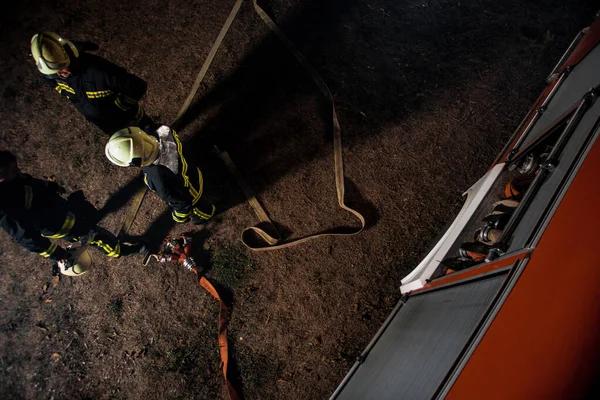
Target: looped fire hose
266 230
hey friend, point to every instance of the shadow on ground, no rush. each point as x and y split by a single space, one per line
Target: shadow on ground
417 59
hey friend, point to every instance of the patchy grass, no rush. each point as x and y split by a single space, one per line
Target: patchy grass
115 306
257 369
78 162
182 360
232 265
430 97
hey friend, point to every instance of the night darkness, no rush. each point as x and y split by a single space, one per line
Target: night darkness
427 94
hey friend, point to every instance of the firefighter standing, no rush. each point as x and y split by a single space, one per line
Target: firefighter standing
103 92
33 212
166 170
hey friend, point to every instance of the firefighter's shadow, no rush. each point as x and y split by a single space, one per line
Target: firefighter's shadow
158 230
121 197
199 253
155 234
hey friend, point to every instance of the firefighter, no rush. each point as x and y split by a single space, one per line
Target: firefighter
32 212
166 170
103 92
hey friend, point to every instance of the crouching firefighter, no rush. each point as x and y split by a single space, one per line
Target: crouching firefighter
166 170
106 94
32 212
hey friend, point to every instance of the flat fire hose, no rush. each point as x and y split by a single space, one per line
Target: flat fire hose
272 237
223 344
139 195
267 231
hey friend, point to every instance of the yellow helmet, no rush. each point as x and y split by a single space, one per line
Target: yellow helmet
51 52
82 262
132 147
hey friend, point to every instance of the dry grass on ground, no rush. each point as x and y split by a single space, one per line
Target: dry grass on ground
427 94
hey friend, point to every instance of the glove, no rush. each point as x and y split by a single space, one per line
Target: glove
59 255
64 264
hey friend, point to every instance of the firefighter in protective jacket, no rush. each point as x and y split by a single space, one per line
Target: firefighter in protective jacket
166 170
33 212
103 92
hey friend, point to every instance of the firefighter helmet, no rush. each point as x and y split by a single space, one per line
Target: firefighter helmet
51 52
71 269
78 264
132 147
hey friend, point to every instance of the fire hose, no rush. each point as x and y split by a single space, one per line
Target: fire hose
178 250
268 233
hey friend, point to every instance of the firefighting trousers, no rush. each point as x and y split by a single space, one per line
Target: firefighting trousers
75 230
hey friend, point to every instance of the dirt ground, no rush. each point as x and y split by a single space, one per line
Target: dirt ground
427 93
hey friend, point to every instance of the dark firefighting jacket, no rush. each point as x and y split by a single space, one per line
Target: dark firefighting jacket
177 181
31 211
103 92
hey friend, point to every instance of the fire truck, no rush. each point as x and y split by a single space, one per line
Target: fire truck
506 305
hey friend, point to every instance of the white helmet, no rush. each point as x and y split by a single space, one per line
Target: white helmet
132 147
51 52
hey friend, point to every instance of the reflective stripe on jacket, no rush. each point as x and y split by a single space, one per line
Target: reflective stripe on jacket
103 92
